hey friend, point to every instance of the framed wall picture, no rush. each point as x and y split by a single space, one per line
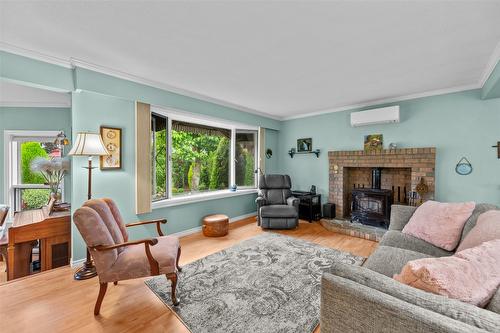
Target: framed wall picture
112 138
373 143
304 145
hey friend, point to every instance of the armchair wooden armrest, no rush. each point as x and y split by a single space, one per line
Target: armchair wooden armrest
158 222
155 268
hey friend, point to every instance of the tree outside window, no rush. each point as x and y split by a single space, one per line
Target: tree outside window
34 198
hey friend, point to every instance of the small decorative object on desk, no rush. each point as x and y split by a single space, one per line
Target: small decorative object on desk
112 139
463 167
53 172
374 143
61 207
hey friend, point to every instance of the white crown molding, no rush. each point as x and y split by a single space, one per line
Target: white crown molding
74 62
21 104
164 86
490 66
384 101
34 55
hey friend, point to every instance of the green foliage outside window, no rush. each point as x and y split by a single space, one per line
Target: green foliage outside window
193 157
219 172
30 151
160 160
34 198
200 162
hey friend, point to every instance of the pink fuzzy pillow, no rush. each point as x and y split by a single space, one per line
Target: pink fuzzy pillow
487 228
439 223
471 276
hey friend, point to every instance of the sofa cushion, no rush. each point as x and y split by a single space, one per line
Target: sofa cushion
389 260
398 239
471 222
466 313
278 211
439 223
487 228
471 275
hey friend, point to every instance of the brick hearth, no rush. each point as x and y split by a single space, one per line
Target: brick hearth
403 168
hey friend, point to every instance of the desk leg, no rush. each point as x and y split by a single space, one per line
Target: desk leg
19 260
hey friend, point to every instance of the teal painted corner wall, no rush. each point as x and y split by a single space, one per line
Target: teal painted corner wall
459 124
100 99
91 110
35 119
491 88
272 142
108 85
35 73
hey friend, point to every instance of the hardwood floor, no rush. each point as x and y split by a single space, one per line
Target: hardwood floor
53 302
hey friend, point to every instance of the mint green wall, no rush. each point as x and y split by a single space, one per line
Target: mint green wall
272 142
108 100
35 73
91 110
491 88
104 84
459 124
35 119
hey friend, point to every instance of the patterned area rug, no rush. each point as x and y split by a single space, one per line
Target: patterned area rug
269 283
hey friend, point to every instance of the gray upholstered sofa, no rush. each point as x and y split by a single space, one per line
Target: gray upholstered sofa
367 299
276 207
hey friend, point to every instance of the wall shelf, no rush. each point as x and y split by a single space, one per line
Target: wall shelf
293 152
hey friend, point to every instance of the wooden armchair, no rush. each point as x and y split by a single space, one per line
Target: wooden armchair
115 257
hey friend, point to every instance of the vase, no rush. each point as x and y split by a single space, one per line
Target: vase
57 196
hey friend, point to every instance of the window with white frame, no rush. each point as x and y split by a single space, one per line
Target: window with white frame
24 188
194 156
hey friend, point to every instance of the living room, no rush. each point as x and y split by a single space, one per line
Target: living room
322 166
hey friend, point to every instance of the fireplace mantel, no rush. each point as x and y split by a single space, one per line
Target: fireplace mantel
421 162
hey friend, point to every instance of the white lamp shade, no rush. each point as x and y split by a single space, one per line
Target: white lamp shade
88 144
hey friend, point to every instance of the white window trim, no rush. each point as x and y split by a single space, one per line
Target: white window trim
10 165
205 196
179 115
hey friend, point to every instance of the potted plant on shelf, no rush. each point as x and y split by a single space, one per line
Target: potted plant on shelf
53 171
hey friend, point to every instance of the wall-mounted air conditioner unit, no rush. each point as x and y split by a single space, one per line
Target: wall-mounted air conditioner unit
385 115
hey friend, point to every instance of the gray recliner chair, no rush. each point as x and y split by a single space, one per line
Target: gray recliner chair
276 207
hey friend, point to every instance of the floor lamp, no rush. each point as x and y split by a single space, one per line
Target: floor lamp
88 144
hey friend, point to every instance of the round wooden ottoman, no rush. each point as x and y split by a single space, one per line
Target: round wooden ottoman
216 225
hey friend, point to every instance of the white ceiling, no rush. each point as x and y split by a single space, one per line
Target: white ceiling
15 95
280 58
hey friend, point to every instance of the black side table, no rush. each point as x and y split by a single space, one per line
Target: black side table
309 205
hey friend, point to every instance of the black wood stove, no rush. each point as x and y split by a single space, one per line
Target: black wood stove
372 206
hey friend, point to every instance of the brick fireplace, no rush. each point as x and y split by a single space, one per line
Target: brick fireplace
402 170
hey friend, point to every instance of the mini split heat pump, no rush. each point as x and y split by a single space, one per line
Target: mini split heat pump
385 115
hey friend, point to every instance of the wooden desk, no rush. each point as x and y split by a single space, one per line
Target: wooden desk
54 233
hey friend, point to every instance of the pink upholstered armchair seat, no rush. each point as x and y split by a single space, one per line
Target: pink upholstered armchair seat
116 257
133 263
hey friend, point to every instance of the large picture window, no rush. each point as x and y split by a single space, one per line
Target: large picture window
193 157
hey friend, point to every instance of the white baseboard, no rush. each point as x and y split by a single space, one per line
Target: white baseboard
79 262
197 229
